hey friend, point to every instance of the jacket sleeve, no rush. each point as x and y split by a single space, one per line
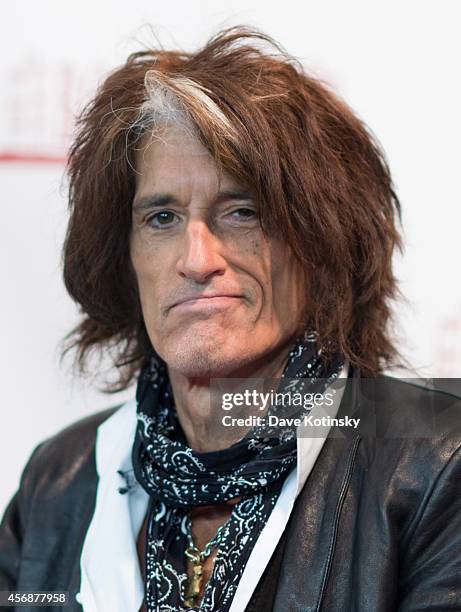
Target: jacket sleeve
11 531
10 545
432 564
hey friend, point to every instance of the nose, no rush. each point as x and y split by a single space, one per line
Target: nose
201 256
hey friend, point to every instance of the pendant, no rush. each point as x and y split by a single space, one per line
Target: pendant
193 583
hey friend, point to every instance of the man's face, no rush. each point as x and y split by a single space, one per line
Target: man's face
216 294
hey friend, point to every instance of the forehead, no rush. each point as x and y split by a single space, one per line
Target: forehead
178 160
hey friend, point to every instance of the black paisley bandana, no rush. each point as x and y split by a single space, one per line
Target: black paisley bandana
177 478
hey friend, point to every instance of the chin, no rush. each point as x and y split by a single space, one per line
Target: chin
214 355
201 362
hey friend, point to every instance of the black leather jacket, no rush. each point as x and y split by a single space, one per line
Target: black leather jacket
376 528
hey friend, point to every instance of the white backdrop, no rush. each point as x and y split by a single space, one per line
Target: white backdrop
395 62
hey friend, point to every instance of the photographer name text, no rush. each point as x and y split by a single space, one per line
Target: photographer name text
276 421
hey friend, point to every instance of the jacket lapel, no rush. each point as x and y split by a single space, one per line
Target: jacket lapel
298 572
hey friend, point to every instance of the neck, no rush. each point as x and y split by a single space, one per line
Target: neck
192 398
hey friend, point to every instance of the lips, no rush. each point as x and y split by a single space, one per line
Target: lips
206 299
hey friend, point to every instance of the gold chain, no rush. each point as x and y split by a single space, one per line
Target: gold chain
197 557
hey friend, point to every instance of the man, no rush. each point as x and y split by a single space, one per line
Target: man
231 219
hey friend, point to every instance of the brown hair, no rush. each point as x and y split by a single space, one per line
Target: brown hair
318 174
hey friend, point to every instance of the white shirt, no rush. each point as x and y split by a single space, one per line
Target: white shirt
111 577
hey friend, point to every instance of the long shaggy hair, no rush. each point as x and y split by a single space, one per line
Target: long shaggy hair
320 179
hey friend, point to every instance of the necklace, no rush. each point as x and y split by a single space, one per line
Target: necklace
194 581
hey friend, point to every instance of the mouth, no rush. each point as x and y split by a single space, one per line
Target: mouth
205 302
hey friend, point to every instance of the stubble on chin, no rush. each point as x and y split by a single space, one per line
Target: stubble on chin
200 361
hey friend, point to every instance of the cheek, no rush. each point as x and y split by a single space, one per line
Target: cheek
253 254
256 252
145 261
139 260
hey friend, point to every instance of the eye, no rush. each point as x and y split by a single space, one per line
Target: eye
244 213
163 218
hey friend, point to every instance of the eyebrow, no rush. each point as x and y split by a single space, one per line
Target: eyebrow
158 200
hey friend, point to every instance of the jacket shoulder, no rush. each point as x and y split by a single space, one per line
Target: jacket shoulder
418 389
79 433
61 458
410 409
